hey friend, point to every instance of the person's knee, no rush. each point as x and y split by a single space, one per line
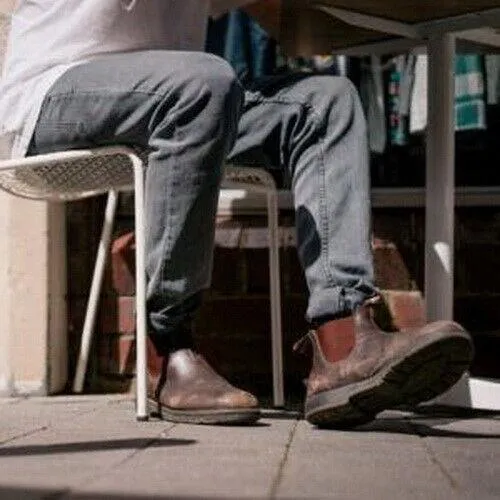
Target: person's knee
218 80
337 89
329 96
338 97
220 76
193 80
198 88
212 77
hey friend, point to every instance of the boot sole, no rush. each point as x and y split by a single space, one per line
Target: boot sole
204 417
429 370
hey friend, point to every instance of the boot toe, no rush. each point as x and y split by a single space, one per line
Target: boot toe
238 399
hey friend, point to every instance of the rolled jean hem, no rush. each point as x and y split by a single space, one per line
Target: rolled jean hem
336 302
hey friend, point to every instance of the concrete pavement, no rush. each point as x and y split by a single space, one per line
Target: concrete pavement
91 447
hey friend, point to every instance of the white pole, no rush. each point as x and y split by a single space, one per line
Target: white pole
95 292
440 201
140 269
275 294
440 195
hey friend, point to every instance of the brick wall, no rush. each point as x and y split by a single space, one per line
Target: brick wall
233 326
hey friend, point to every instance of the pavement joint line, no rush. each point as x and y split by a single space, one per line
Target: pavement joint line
29 433
281 468
442 468
435 460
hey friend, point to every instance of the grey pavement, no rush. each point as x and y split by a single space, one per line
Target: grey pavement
91 447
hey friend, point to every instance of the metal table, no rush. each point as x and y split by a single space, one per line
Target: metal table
357 27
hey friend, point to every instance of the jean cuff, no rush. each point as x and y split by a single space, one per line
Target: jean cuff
337 302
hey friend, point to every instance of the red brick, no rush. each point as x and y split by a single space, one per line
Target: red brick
117 315
117 355
407 309
124 347
390 270
123 264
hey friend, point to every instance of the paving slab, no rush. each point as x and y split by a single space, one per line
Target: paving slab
379 461
75 444
465 443
473 465
91 447
27 413
22 417
223 462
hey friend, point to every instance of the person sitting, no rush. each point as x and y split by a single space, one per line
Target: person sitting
84 74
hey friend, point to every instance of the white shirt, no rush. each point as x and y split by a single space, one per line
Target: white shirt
49 36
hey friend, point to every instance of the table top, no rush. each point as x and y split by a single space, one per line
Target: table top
410 11
302 29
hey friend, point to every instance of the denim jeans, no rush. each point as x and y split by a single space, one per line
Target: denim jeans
190 111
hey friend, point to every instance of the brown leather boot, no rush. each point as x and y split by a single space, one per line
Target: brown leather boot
186 389
383 370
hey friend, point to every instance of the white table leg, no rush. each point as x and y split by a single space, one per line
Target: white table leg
440 196
440 216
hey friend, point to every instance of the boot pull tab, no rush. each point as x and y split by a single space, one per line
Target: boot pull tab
363 315
300 346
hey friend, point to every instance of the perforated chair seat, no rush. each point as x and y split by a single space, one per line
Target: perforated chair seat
69 175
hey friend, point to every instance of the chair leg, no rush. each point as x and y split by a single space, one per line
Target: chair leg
140 266
95 292
275 296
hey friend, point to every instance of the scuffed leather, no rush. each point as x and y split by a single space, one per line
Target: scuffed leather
373 350
188 382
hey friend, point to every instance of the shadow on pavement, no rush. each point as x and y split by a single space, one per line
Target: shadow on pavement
90 446
431 421
25 493
455 412
410 426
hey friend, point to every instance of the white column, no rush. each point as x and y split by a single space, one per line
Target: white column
440 196
6 376
33 349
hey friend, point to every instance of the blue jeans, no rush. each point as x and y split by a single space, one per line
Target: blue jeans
190 111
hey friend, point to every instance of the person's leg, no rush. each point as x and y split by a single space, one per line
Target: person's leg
313 128
183 108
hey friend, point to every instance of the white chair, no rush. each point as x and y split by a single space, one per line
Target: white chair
258 180
72 175
77 174
255 180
